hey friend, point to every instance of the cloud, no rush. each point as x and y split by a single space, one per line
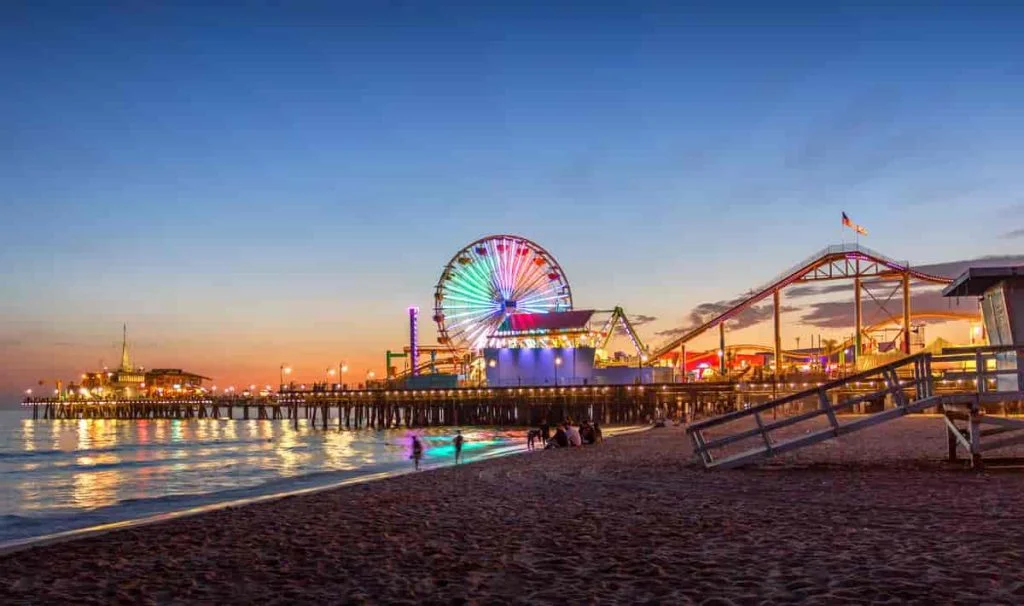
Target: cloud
636 320
840 314
839 133
952 269
1014 234
704 312
814 290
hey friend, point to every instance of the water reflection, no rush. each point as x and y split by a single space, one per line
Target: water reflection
61 466
95 488
28 435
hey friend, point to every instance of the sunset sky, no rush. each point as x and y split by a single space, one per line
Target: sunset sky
247 186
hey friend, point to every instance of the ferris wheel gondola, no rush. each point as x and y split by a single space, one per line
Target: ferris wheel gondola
490 280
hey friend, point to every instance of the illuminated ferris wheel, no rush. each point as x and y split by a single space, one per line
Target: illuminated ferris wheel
491 279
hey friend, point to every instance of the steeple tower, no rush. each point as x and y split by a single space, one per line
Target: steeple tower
126 361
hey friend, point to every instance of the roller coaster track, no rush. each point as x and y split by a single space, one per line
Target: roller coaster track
837 262
452 361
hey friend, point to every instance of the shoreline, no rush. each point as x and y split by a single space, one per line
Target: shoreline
16 545
871 517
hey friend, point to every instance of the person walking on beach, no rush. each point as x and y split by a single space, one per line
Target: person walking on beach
457 442
417 451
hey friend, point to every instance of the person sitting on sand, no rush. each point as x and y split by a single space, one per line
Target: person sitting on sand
417 451
457 442
573 435
561 439
587 433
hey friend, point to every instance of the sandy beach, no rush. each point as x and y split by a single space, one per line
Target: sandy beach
871 518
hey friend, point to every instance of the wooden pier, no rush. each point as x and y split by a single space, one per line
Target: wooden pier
383 409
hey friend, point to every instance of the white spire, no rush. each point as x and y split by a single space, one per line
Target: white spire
126 361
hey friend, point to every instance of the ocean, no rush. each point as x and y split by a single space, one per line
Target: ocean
63 475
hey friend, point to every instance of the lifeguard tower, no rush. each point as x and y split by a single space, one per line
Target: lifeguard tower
1001 291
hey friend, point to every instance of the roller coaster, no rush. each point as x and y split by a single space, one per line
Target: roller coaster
839 262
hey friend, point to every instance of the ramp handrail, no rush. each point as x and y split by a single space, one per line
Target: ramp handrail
861 376
981 356
921 382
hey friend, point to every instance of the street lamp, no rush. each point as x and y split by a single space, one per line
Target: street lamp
285 370
342 369
558 362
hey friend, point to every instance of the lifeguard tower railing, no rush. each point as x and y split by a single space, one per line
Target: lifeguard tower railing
753 433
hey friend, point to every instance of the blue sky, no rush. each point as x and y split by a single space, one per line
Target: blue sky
236 179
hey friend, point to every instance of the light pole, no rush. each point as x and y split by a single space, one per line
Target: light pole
342 369
558 362
369 377
285 370
330 376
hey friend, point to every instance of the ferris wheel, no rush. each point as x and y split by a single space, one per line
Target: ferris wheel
491 279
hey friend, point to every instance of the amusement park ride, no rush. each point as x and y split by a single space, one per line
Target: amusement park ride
865 267
503 308
505 293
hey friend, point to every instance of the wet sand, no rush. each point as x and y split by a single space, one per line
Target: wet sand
873 517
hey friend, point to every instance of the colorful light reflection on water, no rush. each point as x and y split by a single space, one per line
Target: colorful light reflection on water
60 474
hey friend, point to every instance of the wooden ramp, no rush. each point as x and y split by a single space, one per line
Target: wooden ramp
758 432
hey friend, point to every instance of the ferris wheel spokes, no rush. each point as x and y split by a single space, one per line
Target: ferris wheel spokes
492 279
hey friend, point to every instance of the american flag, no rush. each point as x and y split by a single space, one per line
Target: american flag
857 228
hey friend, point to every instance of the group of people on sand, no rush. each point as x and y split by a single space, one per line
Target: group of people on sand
566 435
